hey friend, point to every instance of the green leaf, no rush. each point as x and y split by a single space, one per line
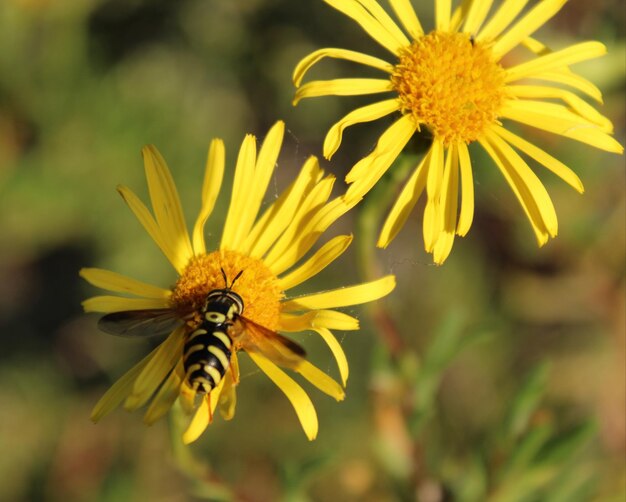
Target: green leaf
576 485
448 342
526 451
525 402
564 447
295 477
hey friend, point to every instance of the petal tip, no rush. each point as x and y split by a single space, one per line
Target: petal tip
188 438
382 243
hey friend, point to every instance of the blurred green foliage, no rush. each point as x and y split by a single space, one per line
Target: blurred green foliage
497 377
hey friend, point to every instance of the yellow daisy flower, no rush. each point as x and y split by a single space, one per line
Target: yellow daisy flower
456 82
258 260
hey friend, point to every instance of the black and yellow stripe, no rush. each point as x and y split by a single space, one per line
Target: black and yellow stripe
208 348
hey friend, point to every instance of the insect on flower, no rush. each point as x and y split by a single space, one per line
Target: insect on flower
232 296
210 335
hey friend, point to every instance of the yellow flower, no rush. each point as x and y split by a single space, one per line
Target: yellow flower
455 82
267 253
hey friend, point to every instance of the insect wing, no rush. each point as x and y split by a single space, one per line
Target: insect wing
257 339
137 323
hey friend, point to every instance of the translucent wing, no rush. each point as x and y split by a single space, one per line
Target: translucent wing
253 337
149 322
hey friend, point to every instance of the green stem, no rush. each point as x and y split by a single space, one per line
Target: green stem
368 223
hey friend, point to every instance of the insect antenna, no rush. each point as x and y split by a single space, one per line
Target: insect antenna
233 281
236 277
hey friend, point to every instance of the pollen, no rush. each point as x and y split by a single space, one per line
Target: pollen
450 83
257 285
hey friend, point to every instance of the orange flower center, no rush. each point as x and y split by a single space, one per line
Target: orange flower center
451 84
257 285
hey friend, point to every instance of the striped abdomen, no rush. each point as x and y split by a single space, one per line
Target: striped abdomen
207 356
208 348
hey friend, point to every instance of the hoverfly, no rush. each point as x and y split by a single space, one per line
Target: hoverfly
208 346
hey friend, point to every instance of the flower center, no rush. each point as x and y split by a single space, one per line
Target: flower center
257 285
451 84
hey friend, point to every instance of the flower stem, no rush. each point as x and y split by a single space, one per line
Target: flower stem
368 222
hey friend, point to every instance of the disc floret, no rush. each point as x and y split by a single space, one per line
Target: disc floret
450 83
257 285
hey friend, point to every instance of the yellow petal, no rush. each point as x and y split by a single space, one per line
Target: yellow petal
337 350
526 26
555 60
458 15
166 357
234 368
330 319
364 175
443 8
199 422
449 201
521 190
264 168
567 77
364 114
228 398
286 250
434 170
120 390
508 10
435 175
342 87
374 8
312 59
559 120
147 221
299 400
312 230
534 185
476 16
204 414
214 172
578 105
166 204
535 46
405 12
165 397
342 297
386 34
293 323
280 214
119 283
107 304
244 173
557 167
321 380
324 256
187 399
561 75
404 204
309 231
466 215
370 169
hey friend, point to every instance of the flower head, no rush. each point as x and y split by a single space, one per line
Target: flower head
258 260
454 82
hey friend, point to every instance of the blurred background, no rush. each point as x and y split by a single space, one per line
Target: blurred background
499 376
